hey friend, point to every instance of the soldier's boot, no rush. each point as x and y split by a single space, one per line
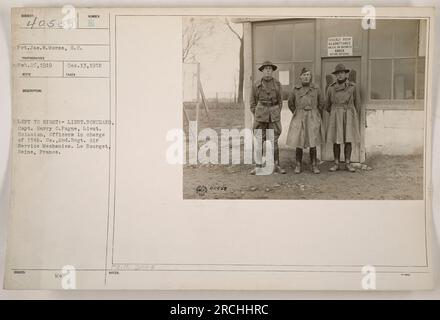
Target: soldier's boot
298 158
347 153
278 168
313 161
349 167
336 154
334 167
255 170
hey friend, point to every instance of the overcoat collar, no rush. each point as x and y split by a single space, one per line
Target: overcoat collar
299 85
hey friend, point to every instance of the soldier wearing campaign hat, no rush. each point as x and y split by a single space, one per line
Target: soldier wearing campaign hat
266 102
343 103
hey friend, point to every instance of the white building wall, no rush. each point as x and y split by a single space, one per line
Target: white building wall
394 132
389 132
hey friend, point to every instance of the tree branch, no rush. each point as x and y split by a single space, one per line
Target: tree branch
233 31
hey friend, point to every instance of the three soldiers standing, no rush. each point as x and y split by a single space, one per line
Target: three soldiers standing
307 104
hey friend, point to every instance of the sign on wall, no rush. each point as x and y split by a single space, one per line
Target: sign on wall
340 46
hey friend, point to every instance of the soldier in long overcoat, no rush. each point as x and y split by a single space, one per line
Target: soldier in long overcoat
306 131
343 103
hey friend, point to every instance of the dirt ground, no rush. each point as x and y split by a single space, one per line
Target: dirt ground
388 177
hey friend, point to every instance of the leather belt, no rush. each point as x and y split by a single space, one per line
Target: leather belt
268 103
342 106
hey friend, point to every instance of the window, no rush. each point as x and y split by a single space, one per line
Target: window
304 41
290 44
396 70
282 42
380 79
404 79
263 42
421 78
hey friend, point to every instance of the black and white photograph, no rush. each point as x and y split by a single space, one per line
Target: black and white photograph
142 141
294 108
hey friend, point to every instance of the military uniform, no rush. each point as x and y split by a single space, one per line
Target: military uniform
343 104
305 130
265 104
306 104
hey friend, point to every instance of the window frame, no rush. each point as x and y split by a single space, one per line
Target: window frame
414 103
312 59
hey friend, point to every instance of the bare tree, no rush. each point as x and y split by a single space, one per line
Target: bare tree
241 59
193 31
190 38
